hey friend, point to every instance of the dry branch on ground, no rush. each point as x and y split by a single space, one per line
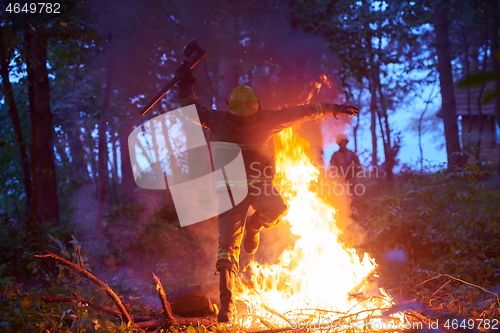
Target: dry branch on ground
135 321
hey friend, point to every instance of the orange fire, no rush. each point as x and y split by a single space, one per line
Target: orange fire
314 282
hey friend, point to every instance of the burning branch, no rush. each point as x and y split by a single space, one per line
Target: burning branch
276 313
163 298
275 330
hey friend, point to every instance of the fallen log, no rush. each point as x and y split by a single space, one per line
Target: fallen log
193 305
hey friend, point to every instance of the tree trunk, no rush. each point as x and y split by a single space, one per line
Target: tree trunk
16 124
114 166
373 121
91 147
449 109
373 104
79 174
60 149
480 106
466 65
102 172
355 128
103 149
390 158
45 205
495 47
420 128
127 181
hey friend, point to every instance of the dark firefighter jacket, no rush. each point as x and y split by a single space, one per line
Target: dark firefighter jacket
255 139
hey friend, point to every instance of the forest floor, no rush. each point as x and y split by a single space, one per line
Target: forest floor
446 224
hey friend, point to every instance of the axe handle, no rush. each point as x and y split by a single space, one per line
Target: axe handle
161 93
191 62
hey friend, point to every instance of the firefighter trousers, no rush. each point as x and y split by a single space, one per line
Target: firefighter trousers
266 200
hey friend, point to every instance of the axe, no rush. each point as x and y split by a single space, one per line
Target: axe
194 53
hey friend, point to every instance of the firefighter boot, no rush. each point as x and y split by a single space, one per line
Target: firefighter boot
226 287
252 233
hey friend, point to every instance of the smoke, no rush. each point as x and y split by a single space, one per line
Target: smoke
253 44
256 45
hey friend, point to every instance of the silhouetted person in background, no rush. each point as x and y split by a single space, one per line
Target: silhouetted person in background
345 163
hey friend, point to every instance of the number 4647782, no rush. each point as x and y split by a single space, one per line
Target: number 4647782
34 8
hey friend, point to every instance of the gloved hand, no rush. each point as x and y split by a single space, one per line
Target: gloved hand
187 79
346 109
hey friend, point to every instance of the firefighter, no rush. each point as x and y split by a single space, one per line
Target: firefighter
344 162
252 129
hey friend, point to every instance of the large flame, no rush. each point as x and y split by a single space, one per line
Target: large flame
317 278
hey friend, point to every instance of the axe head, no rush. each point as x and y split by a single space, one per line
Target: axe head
192 48
194 53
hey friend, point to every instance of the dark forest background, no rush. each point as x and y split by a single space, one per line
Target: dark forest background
72 88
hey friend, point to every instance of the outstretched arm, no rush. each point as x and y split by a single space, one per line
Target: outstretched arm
287 117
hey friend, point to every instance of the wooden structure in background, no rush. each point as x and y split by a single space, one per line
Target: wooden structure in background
469 115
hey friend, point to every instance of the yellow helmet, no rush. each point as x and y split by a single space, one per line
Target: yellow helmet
342 137
243 101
